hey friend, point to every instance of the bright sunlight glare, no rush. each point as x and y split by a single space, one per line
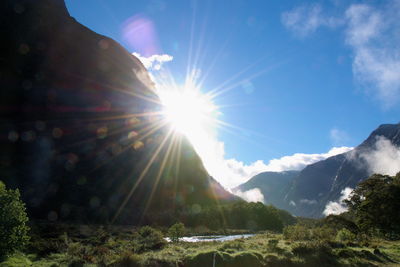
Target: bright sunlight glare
190 112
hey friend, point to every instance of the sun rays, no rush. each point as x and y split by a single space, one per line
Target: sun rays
184 113
187 110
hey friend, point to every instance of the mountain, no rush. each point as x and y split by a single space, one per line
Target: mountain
81 132
321 182
273 185
307 192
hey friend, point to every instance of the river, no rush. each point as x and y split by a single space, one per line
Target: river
210 238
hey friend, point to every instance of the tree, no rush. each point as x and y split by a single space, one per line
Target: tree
344 235
375 204
296 232
176 231
338 222
13 219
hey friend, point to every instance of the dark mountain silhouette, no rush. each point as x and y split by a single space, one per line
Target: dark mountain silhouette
81 132
273 185
308 193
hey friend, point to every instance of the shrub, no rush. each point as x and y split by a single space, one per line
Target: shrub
80 252
323 233
43 247
335 244
17 259
296 232
273 244
234 245
247 258
346 253
345 235
176 231
128 260
207 258
316 248
302 249
13 219
148 238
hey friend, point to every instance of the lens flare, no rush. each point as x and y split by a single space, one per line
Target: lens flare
188 110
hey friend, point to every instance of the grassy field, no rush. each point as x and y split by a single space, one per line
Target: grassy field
122 246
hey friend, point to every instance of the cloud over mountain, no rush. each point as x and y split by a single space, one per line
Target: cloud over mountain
252 195
384 158
338 207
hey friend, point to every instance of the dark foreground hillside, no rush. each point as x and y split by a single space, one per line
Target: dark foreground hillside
81 133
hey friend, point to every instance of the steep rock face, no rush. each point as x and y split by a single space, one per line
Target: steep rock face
321 182
81 131
273 186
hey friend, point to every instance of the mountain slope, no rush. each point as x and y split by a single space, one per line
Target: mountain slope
321 182
307 192
273 185
81 131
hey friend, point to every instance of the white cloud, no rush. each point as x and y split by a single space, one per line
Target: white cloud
298 161
338 207
372 34
384 158
306 19
374 37
252 195
232 172
338 137
363 24
153 62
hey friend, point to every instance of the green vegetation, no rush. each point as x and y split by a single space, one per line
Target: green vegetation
176 231
88 246
297 232
13 219
337 240
375 204
241 215
345 235
148 238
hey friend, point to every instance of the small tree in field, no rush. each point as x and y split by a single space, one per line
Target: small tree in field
13 219
176 231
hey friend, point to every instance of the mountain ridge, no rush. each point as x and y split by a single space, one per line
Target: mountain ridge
308 193
271 184
82 134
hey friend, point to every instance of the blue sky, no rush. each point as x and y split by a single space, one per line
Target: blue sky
314 74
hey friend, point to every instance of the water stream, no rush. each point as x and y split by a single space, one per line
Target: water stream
210 238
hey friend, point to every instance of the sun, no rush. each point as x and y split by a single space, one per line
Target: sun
189 112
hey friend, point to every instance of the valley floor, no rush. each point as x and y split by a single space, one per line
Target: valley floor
121 247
